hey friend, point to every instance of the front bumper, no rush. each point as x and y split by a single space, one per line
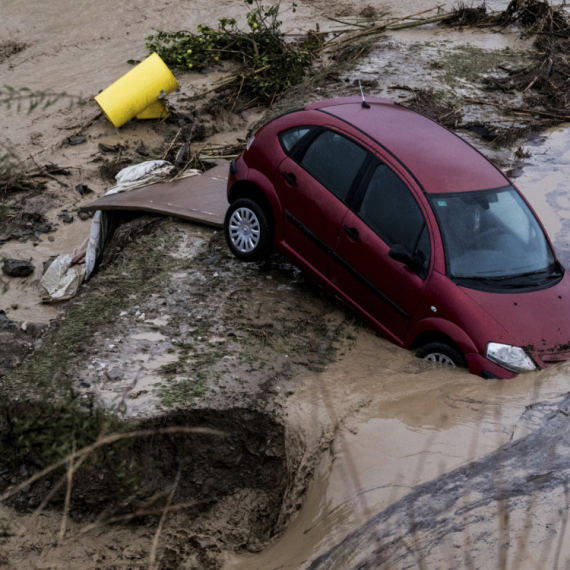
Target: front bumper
481 366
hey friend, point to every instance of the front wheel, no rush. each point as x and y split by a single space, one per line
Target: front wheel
249 234
442 353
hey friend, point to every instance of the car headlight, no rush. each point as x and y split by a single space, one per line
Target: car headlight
513 358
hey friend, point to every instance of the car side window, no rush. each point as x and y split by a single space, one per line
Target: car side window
392 212
291 137
334 161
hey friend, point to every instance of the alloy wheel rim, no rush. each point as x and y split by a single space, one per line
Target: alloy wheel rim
439 358
245 230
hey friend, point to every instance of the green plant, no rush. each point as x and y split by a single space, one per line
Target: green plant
268 64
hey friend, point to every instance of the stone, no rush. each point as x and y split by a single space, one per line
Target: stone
83 189
4 320
75 140
17 268
142 150
84 216
65 218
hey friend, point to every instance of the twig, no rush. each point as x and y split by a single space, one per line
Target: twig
67 499
518 109
47 174
383 27
152 557
420 23
224 82
210 156
169 146
239 93
87 123
80 129
143 512
347 23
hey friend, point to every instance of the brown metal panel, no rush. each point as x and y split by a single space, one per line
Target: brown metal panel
199 199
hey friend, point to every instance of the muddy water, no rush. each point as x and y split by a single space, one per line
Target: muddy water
21 299
411 423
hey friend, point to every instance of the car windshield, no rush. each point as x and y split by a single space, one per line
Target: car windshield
493 236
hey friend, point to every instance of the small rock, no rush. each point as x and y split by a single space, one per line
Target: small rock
245 116
26 489
142 150
4 320
17 268
55 169
65 218
114 375
51 238
43 228
83 189
75 140
114 148
23 471
37 329
84 384
83 215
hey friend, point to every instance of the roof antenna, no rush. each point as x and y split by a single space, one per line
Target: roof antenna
364 103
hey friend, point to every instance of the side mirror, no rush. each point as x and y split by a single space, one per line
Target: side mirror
401 253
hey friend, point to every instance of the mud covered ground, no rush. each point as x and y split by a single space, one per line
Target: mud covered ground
319 444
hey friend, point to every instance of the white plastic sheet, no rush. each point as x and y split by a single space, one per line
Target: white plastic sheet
60 281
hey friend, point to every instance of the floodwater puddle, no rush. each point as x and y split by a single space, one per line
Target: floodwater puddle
21 298
414 423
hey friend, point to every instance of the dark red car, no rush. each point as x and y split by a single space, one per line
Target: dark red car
410 226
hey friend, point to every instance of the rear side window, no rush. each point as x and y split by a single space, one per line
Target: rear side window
334 161
291 137
391 211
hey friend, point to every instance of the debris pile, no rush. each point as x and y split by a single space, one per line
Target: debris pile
267 63
547 77
427 102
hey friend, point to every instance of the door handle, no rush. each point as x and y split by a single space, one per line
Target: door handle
290 178
352 234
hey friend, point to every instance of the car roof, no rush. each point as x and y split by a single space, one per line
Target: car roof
439 160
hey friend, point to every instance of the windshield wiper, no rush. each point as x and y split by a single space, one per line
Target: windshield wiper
519 280
492 281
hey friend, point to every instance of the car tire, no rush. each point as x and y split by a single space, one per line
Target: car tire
249 231
442 353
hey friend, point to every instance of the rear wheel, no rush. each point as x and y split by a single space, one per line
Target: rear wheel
442 353
249 233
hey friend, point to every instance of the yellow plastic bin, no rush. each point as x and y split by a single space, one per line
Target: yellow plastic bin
137 90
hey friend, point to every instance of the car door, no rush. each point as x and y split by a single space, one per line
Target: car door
385 214
313 183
